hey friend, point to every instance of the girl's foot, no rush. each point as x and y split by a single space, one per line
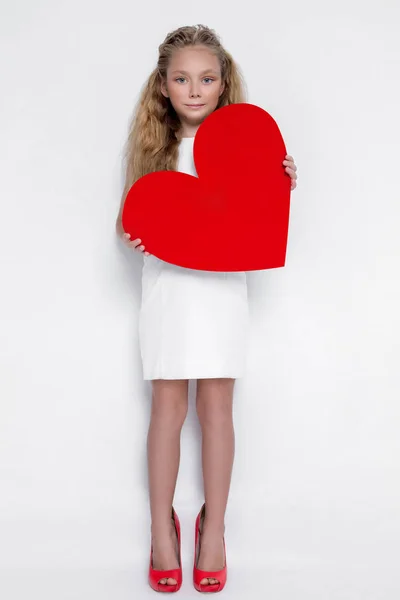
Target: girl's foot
166 552
212 553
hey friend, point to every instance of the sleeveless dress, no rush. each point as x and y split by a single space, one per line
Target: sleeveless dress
192 324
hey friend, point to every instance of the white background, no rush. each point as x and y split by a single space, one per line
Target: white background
314 505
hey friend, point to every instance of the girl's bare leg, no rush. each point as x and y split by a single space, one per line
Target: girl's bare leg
168 413
214 402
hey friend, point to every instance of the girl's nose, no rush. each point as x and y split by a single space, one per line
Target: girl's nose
194 91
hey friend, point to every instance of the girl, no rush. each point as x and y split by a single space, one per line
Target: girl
192 323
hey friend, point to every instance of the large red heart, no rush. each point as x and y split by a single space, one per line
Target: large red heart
235 215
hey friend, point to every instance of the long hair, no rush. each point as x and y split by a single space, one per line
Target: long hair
152 143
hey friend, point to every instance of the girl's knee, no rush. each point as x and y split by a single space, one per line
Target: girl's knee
170 401
214 402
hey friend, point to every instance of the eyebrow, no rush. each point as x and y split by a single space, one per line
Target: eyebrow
202 73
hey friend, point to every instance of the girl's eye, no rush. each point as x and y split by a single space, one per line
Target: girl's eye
209 78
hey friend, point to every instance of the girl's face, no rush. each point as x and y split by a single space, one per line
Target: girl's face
193 78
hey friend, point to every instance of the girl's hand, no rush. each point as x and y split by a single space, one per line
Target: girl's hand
291 169
135 244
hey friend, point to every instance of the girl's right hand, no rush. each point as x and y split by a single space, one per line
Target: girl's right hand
135 244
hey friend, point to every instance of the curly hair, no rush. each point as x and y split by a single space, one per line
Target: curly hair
152 143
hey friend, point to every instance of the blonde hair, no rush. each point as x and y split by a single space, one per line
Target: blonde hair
152 143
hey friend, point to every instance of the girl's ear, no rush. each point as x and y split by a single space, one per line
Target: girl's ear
222 88
164 90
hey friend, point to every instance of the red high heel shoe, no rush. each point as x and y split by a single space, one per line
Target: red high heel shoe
198 574
155 575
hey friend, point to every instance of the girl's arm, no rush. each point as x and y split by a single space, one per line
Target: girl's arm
118 225
127 186
125 237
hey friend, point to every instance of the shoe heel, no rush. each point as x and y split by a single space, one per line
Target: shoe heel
198 574
155 575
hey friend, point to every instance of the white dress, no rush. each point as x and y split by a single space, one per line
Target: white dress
192 324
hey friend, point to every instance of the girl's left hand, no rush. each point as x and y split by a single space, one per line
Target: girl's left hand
291 169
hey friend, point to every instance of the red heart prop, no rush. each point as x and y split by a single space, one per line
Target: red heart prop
235 215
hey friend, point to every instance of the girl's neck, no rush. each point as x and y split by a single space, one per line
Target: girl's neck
187 133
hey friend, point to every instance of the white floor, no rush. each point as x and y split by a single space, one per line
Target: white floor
105 561
329 583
